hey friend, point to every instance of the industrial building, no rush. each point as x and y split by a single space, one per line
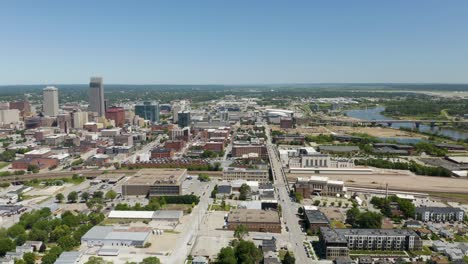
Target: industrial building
255 220
116 236
233 173
316 185
439 214
338 242
155 182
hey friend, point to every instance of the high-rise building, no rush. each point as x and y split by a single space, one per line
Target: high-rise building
184 119
148 111
50 104
23 106
96 96
117 114
79 119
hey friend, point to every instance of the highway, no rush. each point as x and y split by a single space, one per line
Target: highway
288 208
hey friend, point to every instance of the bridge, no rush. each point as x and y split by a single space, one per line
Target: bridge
390 122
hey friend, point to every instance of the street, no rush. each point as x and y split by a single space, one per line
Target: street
289 211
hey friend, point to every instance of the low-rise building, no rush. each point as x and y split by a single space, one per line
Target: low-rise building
155 182
116 236
319 186
439 214
255 220
233 173
239 151
158 153
338 242
315 219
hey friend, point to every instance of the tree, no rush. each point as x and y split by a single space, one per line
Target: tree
6 245
29 258
111 195
244 191
85 196
16 230
59 197
214 191
151 260
227 256
203 177
370 220
67 242
317 202
98 194
247 252
58 232
288 259
352 216
298 196
241 231
96 260
72 197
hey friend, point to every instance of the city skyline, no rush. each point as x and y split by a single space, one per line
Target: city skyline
234 43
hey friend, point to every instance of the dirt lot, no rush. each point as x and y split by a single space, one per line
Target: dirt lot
401 180
373 131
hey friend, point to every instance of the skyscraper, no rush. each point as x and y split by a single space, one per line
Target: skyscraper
148 111
96 96
50 104
184 119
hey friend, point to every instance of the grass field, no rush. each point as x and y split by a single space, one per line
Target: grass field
337 224
3 164
458 197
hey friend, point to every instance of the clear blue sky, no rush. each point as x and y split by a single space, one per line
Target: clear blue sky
233 42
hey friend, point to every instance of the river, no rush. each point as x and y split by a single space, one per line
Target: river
375 114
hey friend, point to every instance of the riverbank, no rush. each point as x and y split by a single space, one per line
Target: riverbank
375 114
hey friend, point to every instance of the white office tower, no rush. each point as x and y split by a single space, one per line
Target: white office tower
50 104
96 96
79 119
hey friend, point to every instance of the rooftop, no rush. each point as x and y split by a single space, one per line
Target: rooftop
438 209
157 176
316 217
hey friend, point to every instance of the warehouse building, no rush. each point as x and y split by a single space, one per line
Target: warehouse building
439 214
116 236
155 182
255 220
338 242
232 173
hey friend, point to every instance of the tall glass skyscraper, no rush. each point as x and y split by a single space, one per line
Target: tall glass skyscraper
148 111
96 96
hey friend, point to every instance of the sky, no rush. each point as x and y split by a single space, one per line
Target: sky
233 42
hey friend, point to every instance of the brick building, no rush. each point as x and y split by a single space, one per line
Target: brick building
158 153
241 150
175 145
255 220
117 114
214 146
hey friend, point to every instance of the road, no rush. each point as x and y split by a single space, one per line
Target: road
288 208
190 231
